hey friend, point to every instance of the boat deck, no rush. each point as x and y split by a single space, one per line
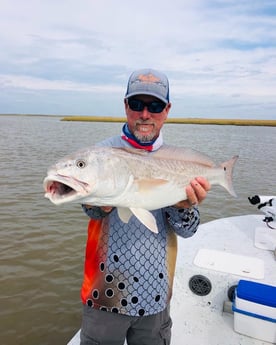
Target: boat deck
236 249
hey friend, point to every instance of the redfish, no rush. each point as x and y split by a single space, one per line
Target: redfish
134 181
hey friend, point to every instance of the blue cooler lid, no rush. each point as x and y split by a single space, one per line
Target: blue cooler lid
257 292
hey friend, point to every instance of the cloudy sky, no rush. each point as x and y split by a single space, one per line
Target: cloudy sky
70 57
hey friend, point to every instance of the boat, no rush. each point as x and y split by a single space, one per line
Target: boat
210 266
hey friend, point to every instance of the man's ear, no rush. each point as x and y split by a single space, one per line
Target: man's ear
125 103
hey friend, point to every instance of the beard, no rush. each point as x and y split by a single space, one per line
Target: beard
145 138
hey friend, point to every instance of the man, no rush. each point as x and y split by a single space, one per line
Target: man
128 269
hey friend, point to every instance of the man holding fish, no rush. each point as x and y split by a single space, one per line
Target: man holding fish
139 193
129 270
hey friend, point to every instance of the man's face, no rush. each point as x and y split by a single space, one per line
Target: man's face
145 125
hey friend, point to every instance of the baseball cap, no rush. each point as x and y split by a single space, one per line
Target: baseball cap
148 82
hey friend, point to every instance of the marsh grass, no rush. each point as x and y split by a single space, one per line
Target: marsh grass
235 122
176 120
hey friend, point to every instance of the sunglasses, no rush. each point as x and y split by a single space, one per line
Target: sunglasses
153 107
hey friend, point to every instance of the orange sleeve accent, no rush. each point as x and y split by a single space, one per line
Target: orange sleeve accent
91 265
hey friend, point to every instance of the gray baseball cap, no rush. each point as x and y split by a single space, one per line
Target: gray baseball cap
148 82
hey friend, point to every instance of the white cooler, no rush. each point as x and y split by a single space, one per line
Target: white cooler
254 309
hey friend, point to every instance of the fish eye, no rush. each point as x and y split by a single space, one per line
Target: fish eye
81 163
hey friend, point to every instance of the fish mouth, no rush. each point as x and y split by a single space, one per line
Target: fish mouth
60 189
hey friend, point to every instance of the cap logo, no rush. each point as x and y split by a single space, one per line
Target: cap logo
148 78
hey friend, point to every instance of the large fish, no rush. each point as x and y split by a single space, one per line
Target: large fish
134 181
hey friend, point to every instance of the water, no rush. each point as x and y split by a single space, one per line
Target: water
42 246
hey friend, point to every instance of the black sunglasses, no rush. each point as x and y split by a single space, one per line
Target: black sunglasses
153 107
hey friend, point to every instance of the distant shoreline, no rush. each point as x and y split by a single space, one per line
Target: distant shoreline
173 120
199 121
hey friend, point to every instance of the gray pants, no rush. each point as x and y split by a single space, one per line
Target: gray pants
107 328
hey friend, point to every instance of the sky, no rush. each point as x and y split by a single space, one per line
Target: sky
68 57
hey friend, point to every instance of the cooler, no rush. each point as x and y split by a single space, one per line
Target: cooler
254 309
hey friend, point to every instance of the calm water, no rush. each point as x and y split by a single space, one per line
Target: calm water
42 245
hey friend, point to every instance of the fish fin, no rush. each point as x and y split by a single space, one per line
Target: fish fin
133 150
146 218
183 154
173 153
228 168
145 185
124 214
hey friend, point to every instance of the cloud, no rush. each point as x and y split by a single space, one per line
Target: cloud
210 50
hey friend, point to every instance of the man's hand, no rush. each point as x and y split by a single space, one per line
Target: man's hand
106 209
196 192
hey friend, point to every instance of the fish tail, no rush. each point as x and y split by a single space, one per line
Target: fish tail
228 169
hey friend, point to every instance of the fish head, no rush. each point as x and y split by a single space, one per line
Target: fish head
93 175
72 178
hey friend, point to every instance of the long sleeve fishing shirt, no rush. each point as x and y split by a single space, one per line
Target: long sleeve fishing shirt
129 269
